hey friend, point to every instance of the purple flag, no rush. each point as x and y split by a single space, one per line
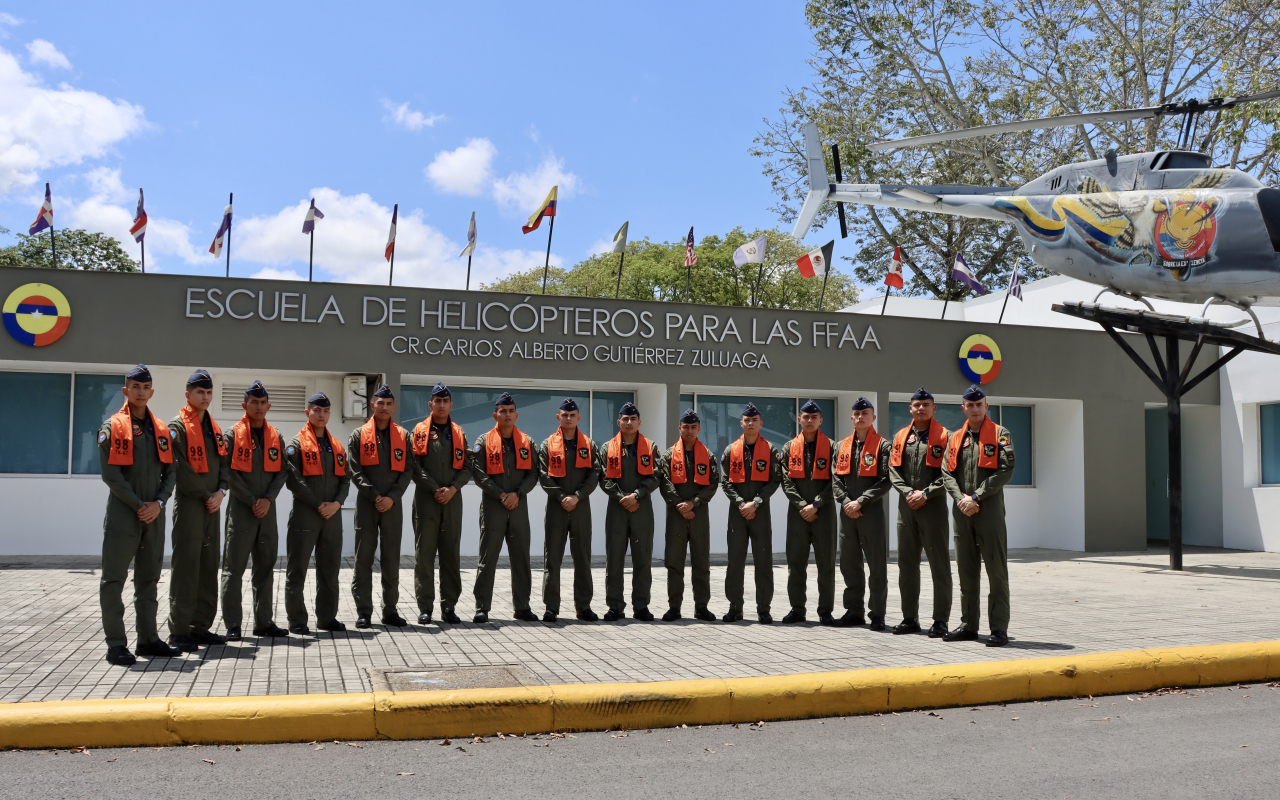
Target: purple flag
961 272
313 214
223 230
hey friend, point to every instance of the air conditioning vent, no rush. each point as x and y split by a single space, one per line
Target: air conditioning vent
284 399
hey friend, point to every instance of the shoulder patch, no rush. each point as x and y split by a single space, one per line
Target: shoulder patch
477 447
102 436
1004 440
290 450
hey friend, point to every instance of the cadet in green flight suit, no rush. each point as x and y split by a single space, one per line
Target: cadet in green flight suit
256 477
504 463
630 479
979 464
861 482
915 470
135 452
811 516
440 470
203 467
319 482
751 473
688 480
569 472
381 465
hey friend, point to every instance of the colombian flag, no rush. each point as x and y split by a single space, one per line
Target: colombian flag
547 209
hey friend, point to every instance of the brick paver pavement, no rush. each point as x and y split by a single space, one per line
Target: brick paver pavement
51 644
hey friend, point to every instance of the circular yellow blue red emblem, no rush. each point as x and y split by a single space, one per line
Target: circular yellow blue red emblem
980 359
36 314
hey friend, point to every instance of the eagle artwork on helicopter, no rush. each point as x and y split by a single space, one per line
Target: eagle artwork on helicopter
1166 224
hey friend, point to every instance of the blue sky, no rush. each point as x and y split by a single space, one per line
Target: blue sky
641 112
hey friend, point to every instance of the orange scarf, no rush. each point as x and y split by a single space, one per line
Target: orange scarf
613 457
555 453
242 447
196 455
311 463
493 451
422 437
937 443
821 458
868 467
369 445
759 455
701 463
988 454
121 453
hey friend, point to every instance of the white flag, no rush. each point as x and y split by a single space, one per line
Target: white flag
751 253
620 238
470 249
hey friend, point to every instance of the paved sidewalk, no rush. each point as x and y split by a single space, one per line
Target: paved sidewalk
51 644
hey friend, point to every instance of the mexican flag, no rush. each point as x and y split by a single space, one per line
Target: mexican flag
816 263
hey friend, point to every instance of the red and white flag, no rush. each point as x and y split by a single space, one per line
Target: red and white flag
894 278
690 258
816 262
391 236
139 229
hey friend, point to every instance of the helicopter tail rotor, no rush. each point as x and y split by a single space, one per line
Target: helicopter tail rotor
819 182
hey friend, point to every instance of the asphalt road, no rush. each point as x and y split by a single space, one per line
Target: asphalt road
1220 742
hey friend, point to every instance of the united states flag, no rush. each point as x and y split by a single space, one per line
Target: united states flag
1015 283
690 258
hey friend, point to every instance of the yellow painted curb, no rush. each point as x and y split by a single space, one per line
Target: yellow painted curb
481 712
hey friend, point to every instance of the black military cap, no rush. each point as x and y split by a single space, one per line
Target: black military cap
319 399
862 404
810 407
690 417
256 389
200 379
504 400
922 394
751 410
568 405
628 410
441 390
139 373
384 391
974 393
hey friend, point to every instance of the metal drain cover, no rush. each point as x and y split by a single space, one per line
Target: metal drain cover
437 679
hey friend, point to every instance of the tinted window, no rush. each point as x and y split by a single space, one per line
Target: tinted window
97 397
35 409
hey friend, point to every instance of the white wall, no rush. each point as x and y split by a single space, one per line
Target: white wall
1250 511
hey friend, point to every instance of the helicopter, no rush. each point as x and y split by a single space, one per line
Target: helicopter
1164 224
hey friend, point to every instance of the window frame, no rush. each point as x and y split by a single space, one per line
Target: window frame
1258 420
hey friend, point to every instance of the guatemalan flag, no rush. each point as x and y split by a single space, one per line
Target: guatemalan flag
391 236
816 262
894 277
45 218
313 214
547 209
961 272
221 235
139 229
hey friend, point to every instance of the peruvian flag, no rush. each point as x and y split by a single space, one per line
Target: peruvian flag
817 262
894 278
391 236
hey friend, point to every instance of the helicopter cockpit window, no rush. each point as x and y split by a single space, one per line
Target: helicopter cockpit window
1269 205
1181 159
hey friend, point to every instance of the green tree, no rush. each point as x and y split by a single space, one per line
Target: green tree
77 249
656 271
889 69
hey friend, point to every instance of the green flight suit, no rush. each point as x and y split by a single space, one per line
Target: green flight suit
438 528
757 531
568 527
819 534
925 528
309 532
498 525
982 538
623 528
692 535
379 531
247 536
125 538
193 563
865 539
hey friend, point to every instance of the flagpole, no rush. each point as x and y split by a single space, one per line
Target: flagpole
144 256
53 245
468 273
312 257
622 259
885 304
947 298
759 277
547 266
391 276
231 196
821 296
1003 306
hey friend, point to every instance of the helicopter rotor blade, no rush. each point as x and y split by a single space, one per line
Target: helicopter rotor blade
1070 120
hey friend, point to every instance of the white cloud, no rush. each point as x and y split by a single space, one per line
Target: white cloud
523 191
7 20
405 117
42 127
43 52
465 170
109 209
273 274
